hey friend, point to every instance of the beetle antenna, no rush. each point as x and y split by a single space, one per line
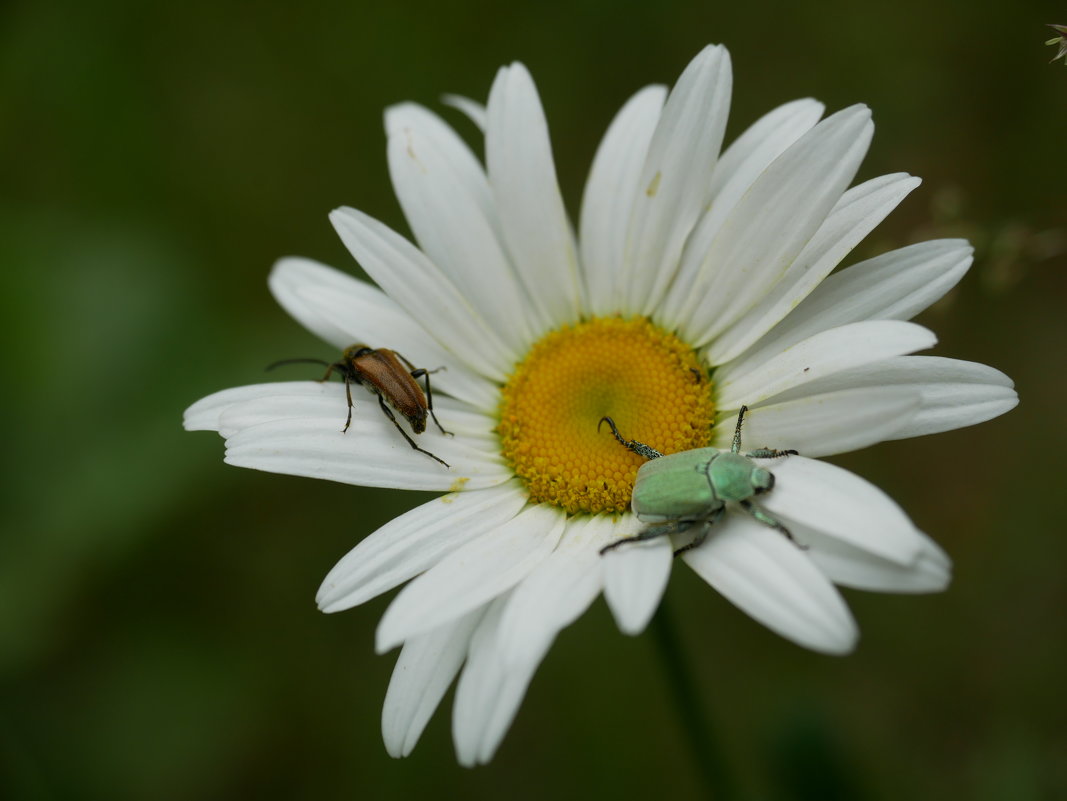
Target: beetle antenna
297 361
737 431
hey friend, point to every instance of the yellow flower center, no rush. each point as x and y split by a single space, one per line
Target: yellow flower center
647 380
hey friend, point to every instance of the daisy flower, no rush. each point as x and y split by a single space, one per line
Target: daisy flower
698 281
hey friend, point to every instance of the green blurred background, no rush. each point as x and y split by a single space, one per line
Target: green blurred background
158 636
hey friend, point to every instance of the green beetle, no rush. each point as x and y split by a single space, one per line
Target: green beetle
691 489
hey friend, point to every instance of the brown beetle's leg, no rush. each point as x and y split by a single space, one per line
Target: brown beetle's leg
330 368
348 394
422 372
411 442
415 369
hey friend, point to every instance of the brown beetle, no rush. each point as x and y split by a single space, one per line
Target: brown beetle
392 378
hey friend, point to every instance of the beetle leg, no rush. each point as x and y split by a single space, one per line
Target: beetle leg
640 448
343 368
348 394
767 520
737 431
422 372
408 363
419 370
650 533
769 453
702 535
411 442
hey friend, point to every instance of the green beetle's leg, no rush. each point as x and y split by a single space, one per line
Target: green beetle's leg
637 447
759 453
769 453
650 533
702 535
736 447
767 520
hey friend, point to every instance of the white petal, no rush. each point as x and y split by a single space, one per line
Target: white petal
831 422
522 176
952 393
414 282
305 439
472 575
965 394
206 413
474 110
760 144
555 593
291 275
772 580
426 666
894 286
446 199
741 164
489 692
841 505
635 576
676 178
769 226
449 150
609 195
344 312
856 214
820 355
853 567
416 541
290 401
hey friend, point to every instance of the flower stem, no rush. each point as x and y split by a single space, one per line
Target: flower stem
694 722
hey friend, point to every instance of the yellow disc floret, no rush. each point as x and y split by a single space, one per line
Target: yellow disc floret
647 380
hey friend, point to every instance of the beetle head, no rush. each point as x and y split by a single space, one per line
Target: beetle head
762 480
417 420
355 351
